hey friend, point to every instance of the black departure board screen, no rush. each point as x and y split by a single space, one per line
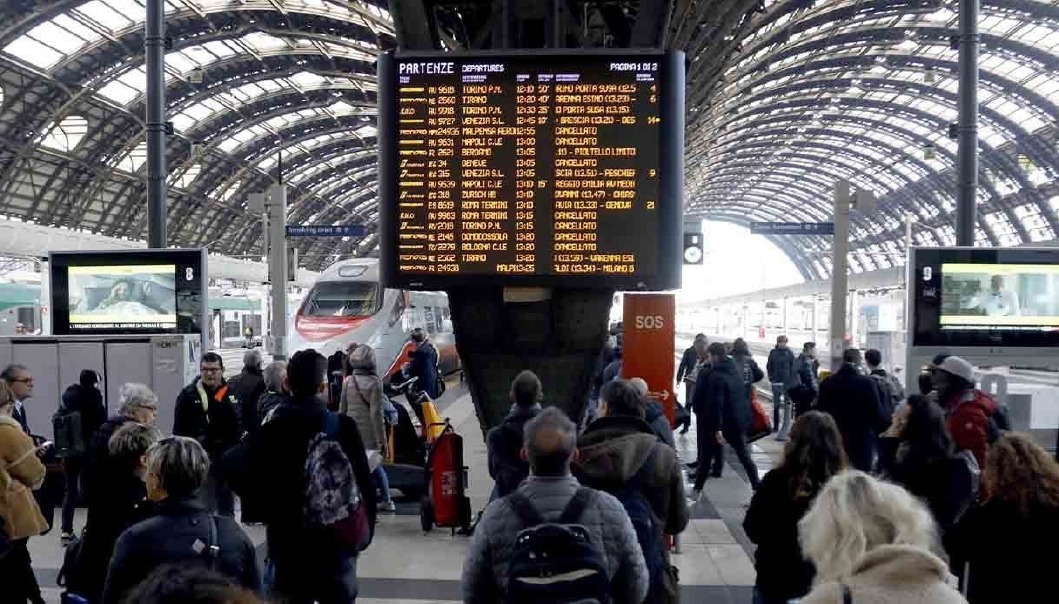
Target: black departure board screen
531 168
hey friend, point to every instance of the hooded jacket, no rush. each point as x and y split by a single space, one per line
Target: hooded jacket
362 400
720 398
614 448
21 472
506 466
967 417
892 574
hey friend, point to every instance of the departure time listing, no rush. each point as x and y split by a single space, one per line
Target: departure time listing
520 167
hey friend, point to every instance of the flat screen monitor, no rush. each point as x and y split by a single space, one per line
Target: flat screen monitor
985 297
128 292
531 168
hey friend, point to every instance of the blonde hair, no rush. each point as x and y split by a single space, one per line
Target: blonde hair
854 514
5 395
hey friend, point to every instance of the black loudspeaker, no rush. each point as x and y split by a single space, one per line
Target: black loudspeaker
693 253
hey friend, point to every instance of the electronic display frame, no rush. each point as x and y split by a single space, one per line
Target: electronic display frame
996 298
664 275
131 292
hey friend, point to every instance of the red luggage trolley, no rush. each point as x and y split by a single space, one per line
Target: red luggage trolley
446 503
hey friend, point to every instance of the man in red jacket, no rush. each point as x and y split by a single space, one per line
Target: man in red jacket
967 409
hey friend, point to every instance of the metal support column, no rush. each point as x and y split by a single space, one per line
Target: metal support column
839 278
277 268
967 183
154 45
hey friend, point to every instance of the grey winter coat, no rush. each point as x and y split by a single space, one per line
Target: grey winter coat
485 569
362 400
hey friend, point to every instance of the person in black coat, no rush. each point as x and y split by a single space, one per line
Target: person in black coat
812 456
1003 546
182 531
917 453
504 441
207 410
268 469
248 387
723 408
424 365
138 404
852 399
85 399
122 504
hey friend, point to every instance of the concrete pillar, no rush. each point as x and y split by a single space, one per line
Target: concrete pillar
277 268
839 278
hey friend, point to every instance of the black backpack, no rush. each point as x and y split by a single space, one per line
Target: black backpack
69 440
644 521
556 562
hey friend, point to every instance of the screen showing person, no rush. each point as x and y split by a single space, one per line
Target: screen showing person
134 296
999 295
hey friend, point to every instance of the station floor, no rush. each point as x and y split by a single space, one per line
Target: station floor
407 566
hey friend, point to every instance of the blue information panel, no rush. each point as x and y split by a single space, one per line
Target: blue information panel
317 230
792 228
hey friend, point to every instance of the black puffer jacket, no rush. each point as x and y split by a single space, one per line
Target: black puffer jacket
720 398
96 456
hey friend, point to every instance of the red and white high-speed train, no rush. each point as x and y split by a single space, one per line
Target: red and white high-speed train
348 304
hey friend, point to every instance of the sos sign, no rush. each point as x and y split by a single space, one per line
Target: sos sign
650 322
649 344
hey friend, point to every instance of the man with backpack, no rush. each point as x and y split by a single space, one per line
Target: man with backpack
891 392
506 465
80 414
554 540
974 419
622 455
306 473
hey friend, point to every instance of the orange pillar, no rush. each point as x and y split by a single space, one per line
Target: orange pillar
649 341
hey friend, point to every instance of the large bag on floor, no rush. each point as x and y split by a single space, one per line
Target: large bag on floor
761 423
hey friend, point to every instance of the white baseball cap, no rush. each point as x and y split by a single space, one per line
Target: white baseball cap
958 367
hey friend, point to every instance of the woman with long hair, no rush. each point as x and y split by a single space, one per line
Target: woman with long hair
21 472
813 455
920 457
1005 547
872 541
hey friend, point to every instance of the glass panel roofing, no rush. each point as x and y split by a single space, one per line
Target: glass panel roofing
76 31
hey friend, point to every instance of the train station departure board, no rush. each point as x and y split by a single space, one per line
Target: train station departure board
543 169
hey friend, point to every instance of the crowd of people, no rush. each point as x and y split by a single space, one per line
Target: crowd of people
877 497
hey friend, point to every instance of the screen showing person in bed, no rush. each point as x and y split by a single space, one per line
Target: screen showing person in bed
1000 296
122 297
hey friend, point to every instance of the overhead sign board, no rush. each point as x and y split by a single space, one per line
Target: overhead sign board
318 230
792 228
531 169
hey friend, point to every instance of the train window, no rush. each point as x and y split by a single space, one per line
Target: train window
342 299
428 319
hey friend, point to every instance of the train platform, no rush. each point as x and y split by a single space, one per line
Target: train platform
404 565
